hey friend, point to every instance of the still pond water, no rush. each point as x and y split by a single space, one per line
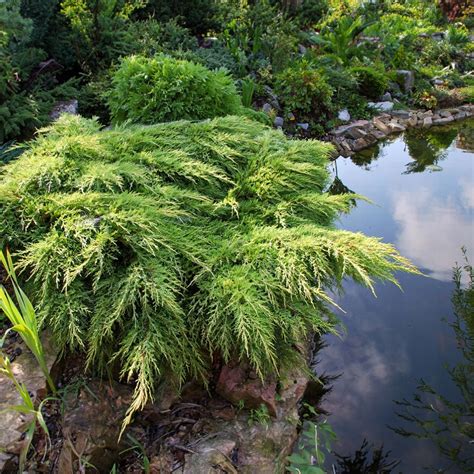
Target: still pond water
422 188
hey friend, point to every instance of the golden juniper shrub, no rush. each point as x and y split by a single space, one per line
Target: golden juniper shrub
158 246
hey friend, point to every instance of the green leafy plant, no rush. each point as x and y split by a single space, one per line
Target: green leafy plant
22 316
259 416
163 89
314 444
372 83
26 408
304 91
99 29
341 39
248 90
157 247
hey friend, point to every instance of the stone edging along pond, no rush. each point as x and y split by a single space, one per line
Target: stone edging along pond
361 134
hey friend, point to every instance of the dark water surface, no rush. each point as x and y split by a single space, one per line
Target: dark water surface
422 187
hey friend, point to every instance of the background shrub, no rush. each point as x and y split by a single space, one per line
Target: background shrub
304 91
164 89
372 83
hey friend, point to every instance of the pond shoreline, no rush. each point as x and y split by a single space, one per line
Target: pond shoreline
360 134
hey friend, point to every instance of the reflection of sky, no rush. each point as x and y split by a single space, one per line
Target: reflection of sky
399 337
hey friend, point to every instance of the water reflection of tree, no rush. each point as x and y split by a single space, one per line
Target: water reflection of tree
427 148
465 139
432 416
366 157
337 186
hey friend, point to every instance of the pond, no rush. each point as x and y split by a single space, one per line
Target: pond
422 188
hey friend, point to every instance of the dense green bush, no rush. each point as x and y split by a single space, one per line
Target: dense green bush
150 37
163 89
158 247
372 83
25 100
304 92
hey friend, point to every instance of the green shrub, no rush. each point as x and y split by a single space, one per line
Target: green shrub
164 89
372 83
304 91
150 37
24 103
157 247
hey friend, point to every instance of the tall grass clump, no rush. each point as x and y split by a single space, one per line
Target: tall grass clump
163 89
159 247
22 316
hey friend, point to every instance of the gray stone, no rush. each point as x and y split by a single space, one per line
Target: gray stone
387 97
385 106
380 125
407 79
445 113
356 133
273 98
302 49
304 126
403 114
267 108
360 144
278 122
64 107
438 36
344 115
427 122
437 82
396 127
443 120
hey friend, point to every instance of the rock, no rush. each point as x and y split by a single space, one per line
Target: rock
91 426
445 113
212 456
403 114
64 107
356 133
13 424
237 387
407 79
412 121
360 144
443 120
387 97
385 106
267 108
291 117
438 36
273 98
437 82
302 49
380 125
427 122
304 126
278 122
396 127
344 115
345 146
377 134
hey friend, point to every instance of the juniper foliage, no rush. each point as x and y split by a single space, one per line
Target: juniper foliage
160 246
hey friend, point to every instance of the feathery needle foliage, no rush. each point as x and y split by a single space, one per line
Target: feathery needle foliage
22 316
157 247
